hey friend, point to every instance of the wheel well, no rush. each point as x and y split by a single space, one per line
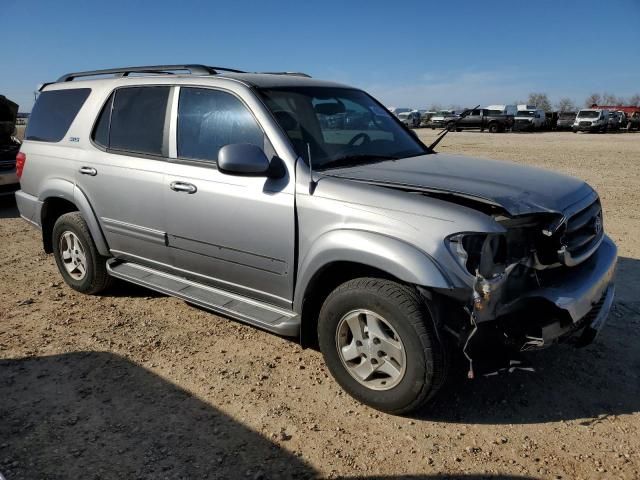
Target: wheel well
52 209
321 285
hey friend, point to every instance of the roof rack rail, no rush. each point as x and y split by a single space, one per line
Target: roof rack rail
294 74
193 69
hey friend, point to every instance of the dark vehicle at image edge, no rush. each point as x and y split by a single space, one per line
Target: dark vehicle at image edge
249 195
9 147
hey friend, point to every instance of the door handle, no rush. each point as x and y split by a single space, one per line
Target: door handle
88 171
183 187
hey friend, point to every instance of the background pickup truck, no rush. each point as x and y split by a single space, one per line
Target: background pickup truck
483 118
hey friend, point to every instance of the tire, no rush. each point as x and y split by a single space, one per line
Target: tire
493 128
95 279
451 126
405 311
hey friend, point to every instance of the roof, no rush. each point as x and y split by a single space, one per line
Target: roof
273 80
168 74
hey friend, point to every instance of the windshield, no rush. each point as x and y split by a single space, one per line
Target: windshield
526 113
589 114
339 126
404 115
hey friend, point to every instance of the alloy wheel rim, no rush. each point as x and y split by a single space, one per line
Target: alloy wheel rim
370 349
73 255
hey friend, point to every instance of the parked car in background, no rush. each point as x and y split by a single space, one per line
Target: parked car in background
530 119
551 120
483 119
410 119
9 146
442 117
591 120
388 257
565 120
633 121
615 121
624 120
425 117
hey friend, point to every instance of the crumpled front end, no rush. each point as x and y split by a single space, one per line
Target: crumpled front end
548 279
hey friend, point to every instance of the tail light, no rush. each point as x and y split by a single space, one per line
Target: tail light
21 159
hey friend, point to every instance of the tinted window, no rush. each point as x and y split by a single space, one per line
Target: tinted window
101 131
53 114
209 120
137 119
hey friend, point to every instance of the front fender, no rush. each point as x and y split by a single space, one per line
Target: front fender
59 188
400 259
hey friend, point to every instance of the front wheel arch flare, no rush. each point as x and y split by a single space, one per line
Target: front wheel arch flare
398 259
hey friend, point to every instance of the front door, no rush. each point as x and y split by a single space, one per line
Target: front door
234 232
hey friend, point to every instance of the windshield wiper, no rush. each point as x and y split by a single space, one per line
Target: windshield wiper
358 159
448 127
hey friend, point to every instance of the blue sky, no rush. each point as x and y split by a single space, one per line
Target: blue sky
407 53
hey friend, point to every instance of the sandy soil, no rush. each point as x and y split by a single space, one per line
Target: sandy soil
137 385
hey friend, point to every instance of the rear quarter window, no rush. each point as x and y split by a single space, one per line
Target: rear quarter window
53 113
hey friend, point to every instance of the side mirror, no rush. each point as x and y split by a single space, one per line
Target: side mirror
243 159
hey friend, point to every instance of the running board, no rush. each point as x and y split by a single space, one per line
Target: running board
262 315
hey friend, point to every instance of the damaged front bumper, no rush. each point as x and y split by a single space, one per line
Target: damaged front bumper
570 307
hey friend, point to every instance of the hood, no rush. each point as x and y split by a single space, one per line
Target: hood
8 115
516 188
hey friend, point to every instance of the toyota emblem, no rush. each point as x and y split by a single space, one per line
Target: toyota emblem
597 225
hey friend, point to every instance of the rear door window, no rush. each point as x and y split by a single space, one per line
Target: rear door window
138 119
210 119
53 113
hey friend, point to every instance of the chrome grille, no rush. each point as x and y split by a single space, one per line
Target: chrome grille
583 233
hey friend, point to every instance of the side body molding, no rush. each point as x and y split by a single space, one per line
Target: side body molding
59 188
400 259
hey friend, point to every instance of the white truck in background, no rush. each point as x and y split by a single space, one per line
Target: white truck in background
529 117
503 109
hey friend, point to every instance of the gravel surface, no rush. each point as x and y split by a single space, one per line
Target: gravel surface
133 384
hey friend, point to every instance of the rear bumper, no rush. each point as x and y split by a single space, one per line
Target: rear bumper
8 182
30 207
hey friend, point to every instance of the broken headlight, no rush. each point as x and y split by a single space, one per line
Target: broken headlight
483 253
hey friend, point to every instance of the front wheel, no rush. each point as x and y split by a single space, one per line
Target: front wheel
378 340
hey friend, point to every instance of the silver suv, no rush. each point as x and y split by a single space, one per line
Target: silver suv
249 194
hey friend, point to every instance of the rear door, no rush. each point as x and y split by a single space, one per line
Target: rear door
234 232
123 176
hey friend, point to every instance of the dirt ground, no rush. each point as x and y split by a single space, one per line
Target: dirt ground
133 384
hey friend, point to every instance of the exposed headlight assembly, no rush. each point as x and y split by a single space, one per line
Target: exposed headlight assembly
483 253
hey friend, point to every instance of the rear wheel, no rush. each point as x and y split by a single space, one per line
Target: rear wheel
78 260
379 342
493 127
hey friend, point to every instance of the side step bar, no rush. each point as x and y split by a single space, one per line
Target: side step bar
262 315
